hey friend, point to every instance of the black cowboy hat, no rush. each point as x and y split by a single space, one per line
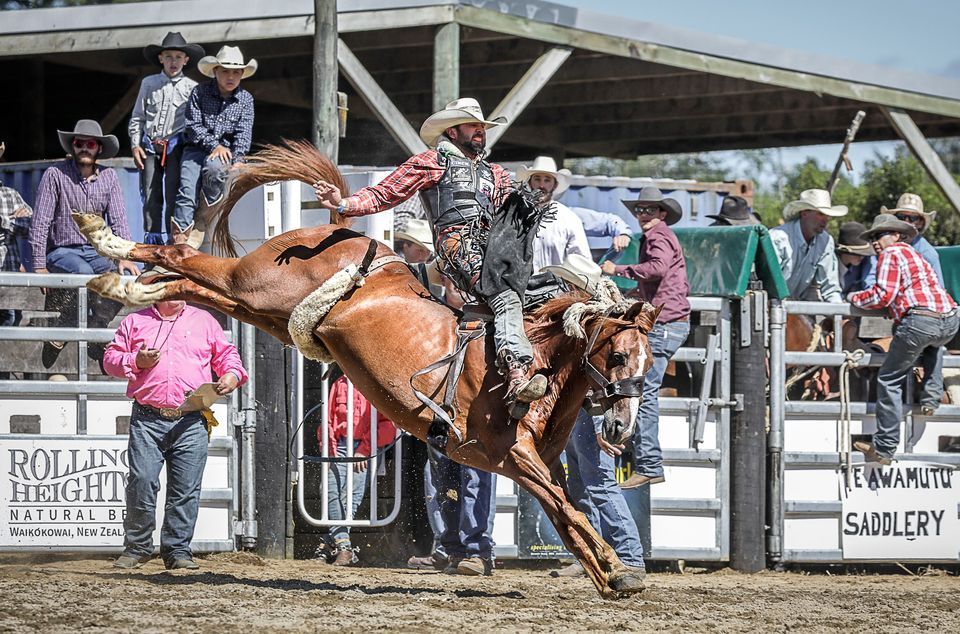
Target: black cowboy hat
734 210
173 41
652 195
849 240
90 128
888 222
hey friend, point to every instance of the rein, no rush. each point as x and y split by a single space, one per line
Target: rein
607 392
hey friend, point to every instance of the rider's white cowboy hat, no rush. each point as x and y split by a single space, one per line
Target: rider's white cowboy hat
653 195
227 57
911 204
889 222
815 199
579 270
109 146
546 165
416 231
464 110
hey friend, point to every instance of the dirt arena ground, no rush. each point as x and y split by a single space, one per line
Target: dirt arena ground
240 592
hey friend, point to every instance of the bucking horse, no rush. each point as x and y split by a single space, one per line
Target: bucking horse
339 295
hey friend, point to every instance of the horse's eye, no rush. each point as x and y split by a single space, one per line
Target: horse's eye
617 359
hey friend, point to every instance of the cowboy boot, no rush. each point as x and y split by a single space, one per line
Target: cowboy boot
521 391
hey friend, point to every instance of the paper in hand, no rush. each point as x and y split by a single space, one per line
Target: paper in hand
201 398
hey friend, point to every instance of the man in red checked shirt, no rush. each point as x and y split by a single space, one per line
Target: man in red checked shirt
925 318
463 191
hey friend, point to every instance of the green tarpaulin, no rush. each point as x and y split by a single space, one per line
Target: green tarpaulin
950 263
720 260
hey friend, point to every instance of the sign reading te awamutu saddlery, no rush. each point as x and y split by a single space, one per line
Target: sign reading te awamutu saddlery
62 491
905 511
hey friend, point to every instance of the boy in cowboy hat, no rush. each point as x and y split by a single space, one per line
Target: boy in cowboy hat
77 183
910 209
857 257
463 191
661 274
925 318
563 235
804 247
734 211
156 128
219 130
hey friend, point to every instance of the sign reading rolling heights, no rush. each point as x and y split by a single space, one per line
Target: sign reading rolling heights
62 491
905 511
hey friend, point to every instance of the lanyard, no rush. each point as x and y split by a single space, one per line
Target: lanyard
170 332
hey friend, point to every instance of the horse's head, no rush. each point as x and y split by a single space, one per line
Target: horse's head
616 359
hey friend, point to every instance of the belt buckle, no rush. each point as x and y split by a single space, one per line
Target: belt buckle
170 412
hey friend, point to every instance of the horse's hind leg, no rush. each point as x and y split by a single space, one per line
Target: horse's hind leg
610 576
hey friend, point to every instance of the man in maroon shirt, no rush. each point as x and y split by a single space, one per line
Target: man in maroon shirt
661 276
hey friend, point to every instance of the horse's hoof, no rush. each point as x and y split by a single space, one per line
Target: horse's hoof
88 223
626 582
107 285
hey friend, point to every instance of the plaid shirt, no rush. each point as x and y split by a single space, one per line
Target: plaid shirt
419 172
904 281
11 228
212 120
62 191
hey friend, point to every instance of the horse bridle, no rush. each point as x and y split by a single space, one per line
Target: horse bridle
605 392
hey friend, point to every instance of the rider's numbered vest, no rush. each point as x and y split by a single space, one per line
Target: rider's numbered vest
464 193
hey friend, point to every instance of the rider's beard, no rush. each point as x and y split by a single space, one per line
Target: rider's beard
474 145
82 158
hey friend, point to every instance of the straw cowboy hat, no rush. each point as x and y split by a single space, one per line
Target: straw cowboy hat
546 165
89 128
464 110
889 222
911 204
652 195
849 240
172 41
418 232
815 199
735 210
227 57
579 270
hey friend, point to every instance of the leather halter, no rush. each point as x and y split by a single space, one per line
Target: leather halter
605 392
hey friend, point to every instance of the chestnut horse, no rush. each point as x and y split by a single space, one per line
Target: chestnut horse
386 327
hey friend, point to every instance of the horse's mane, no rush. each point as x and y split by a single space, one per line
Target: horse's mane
548 320
291 161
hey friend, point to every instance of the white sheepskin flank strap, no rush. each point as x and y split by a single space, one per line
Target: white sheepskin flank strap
314 307
607 296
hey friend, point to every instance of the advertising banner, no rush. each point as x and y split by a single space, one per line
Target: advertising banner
905 511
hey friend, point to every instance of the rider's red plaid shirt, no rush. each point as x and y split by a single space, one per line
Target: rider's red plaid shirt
419 172
904 281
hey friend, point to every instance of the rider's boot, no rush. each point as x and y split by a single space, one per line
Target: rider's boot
521 391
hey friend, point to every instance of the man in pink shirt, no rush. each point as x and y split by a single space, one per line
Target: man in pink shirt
165 352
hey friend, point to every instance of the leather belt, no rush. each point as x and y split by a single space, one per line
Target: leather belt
923 312
169 413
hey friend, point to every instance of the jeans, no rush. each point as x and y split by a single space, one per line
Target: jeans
508 332
159 185
82 259
664 341
182 445
337 492
196 170
594 489
468 520
915 337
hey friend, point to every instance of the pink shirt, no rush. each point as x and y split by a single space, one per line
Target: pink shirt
195 345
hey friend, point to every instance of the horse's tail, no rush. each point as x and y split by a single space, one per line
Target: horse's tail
291 161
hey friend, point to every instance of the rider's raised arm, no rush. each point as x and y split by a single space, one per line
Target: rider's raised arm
418 172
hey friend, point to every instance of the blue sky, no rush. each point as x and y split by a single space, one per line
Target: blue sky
920 36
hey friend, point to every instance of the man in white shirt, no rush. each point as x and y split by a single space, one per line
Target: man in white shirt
155 130
563 235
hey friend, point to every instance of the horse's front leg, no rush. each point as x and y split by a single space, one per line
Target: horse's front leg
610 576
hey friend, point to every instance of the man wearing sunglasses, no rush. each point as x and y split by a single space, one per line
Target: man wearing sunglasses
925 319
910 209
78 183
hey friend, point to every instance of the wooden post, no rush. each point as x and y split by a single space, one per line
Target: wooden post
325 75
272 440
904 125
446 65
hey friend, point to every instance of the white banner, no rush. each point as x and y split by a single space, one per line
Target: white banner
63 491
905 511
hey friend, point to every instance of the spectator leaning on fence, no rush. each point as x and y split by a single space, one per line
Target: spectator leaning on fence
165 352
805 248
857 257
218 133
156 130
15 217
910 209
925 319
77 183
